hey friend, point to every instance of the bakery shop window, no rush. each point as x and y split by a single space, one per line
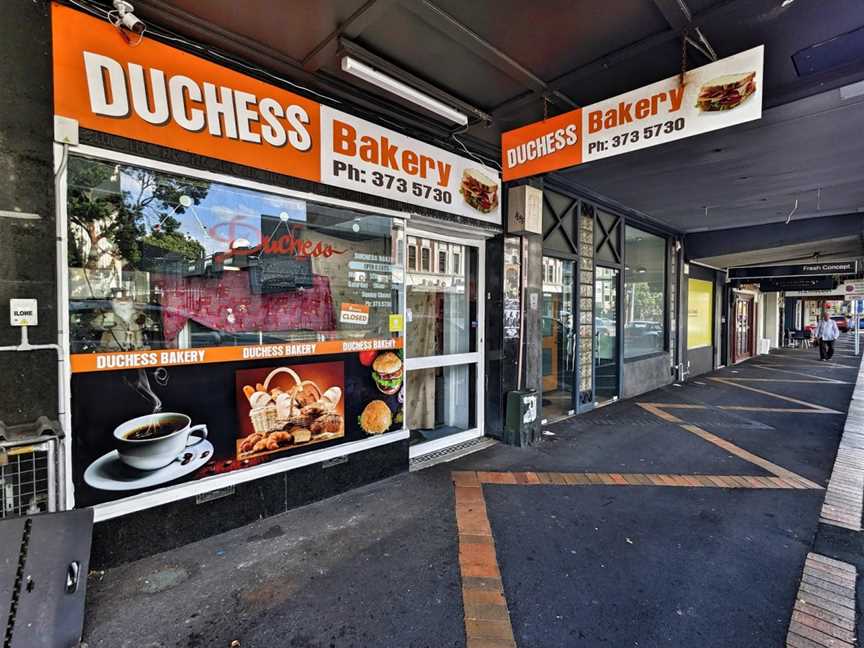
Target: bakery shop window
158 260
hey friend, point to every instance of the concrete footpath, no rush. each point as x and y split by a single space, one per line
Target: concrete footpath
690 516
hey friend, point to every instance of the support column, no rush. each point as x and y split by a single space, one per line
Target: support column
28 380
772 318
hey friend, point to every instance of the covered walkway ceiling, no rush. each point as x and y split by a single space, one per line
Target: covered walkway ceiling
505 61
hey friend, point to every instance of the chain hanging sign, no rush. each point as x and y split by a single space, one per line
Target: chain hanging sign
714 96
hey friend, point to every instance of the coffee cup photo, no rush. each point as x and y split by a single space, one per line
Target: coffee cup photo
153 441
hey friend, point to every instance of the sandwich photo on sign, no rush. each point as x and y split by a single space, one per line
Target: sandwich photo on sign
726 92
479 191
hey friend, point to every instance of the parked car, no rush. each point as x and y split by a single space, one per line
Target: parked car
842 322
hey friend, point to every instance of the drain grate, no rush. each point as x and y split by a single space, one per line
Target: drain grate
450 453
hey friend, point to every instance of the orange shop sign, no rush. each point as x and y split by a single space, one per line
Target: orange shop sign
145 359
159 94
714 96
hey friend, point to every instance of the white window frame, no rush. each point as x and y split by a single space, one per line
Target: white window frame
159 496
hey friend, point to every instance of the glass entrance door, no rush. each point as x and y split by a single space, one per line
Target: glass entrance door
559 340
443 343
743 330
605 335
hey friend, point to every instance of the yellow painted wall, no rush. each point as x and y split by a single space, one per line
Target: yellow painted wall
700 297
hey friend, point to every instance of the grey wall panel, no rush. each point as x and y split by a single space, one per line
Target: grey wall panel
700 360
644 375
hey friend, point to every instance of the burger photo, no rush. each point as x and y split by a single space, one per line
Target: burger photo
376 418
387 373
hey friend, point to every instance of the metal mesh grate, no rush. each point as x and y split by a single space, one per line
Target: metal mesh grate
27 479
450 453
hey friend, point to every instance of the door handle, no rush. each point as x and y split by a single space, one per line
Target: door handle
73 577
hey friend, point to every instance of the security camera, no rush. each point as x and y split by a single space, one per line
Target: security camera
127 18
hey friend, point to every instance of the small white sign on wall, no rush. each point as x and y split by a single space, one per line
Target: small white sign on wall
23 312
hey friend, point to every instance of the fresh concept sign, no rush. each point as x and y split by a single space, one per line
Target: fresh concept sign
714 96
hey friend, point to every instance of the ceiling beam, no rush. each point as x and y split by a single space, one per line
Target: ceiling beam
353 26
722 242
614 58
448 25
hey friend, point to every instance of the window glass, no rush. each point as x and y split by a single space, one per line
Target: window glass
644 292
163 261
442 306
441 401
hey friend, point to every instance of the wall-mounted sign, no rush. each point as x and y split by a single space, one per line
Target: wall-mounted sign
714 96
23 312
700 313
524 210
784 284
158 94
854 289
796 270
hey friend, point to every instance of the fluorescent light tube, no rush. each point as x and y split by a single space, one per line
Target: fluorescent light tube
396 87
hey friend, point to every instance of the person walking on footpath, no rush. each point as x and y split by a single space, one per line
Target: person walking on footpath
826 333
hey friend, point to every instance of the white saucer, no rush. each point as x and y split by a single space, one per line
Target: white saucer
109 473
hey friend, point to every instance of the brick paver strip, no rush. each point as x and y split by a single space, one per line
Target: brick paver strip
844 497
487 619
824 612
824 627
843 622
470 494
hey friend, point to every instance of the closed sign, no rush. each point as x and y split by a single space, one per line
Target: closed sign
354 314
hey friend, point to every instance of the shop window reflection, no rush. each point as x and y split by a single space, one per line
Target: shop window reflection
441 304
163 261
644 292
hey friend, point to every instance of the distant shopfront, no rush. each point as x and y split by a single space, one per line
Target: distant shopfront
299 286
608 307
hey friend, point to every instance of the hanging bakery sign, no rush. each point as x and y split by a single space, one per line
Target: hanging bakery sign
714 96
158 94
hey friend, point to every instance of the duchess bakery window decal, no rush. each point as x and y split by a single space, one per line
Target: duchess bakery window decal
214 327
